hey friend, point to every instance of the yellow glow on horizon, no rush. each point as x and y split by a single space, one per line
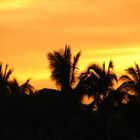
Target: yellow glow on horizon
12 4
39 79
117 50
34 76
123 57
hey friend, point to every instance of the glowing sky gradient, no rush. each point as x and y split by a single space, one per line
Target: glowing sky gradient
102 29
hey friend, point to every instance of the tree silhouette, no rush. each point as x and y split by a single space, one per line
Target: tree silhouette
52 115
99 82
25 88
63 67
131 81
5 74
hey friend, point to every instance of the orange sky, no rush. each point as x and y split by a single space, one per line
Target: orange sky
102 29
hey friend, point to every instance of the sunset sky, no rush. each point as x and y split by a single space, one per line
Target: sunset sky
102 29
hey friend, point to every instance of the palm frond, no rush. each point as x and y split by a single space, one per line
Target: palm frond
14 86
103 66
27 87
83 75
5 71
110 66
132 72
74 66
126 78
67 54
127 87
1 73
55 59
7 76
137 70
14 81
113 77
96 68
56 63
137 67
67 64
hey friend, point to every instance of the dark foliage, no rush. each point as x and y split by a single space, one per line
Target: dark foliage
50 114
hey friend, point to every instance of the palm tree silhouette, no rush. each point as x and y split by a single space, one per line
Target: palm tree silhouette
63 68
99 82
131 82
25 88
5 74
